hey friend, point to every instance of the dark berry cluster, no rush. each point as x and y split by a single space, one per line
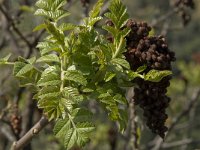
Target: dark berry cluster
15 121
150 50
138 31
183 5
151 97
153 52
186 3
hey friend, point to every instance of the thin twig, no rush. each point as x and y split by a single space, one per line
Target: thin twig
10 20
164 17
10 36
165 28
186 110
180 143
27 118
28 113
133 137
7 133
19 95
30 134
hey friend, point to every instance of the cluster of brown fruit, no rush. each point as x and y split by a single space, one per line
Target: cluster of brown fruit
150 50
182 6
151 97
186 3
153 52
15 121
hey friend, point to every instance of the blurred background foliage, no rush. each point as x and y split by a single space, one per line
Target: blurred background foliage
16 24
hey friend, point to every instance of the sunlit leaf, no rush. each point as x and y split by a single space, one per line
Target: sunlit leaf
49 58
121 62
156 75
76 76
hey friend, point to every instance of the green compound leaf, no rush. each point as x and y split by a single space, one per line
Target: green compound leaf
96 9
83 61
51 9
76 76
31 60
70 138
123 121
141 68
82 115
132 75
92 21
44 4
46 47
118 13
49 58
51 70
72 132
5 59
26 68
156 75
49 92
26 73
66 26
110 105
88 90
53 30
109 76
21 68
83 129
113 112
50 100
124 32
61 127
111 30
77 136
54 108
121 62
39 27
68 104
57 4
55 15
72 94
50 76
94 17
120 99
